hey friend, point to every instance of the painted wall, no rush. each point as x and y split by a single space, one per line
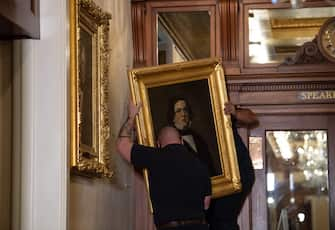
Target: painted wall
5 132
47 196
97 204
40 112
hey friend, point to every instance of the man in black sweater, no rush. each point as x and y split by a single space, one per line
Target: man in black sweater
180 186
223 212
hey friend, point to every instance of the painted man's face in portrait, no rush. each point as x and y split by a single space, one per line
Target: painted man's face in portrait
181 115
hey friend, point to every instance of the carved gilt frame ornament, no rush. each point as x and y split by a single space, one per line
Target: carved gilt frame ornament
89 58
326 39
321 50
202 84
308 53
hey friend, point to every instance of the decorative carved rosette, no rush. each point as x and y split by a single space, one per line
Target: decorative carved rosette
308 53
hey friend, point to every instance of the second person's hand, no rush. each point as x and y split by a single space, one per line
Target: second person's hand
229 109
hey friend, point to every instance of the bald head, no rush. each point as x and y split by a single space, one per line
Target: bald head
168 135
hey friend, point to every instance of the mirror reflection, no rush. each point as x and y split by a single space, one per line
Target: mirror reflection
297 180
183 36
275 34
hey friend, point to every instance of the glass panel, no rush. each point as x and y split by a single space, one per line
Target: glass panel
183 36
297 180
275 34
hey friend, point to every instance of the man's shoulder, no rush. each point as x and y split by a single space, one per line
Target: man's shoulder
143 148
173 148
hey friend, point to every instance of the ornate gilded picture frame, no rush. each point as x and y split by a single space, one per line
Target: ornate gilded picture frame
200 86
90 128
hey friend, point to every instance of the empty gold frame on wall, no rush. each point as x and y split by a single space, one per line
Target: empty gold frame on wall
90 128
202 83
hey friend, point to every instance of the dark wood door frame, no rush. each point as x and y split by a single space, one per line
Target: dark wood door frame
254 214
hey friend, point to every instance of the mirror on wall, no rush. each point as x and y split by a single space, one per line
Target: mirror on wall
297 180
183 36
276 34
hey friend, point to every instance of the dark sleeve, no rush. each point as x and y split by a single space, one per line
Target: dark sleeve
204 155
143 156
208 184
247 172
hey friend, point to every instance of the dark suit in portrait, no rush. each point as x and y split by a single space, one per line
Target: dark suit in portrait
180 116
196 144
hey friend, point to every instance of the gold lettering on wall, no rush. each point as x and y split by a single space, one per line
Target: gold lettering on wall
317 95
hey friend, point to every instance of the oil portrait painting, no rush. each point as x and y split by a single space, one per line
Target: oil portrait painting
190 96
89 123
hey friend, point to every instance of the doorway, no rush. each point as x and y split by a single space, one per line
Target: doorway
293 188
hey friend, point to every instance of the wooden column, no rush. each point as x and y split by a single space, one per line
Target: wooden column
143 217
138 27
228 10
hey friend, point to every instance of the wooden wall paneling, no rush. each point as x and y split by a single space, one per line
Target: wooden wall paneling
279 97
244 220
178 3
152 9
243 36
270 68
233 11
213 31
257 209
293 109
141 23
138 27
278 103
144 16
150 33
287 81
246 66
272 92
286 91
229 29
307 68
218 35
258 196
